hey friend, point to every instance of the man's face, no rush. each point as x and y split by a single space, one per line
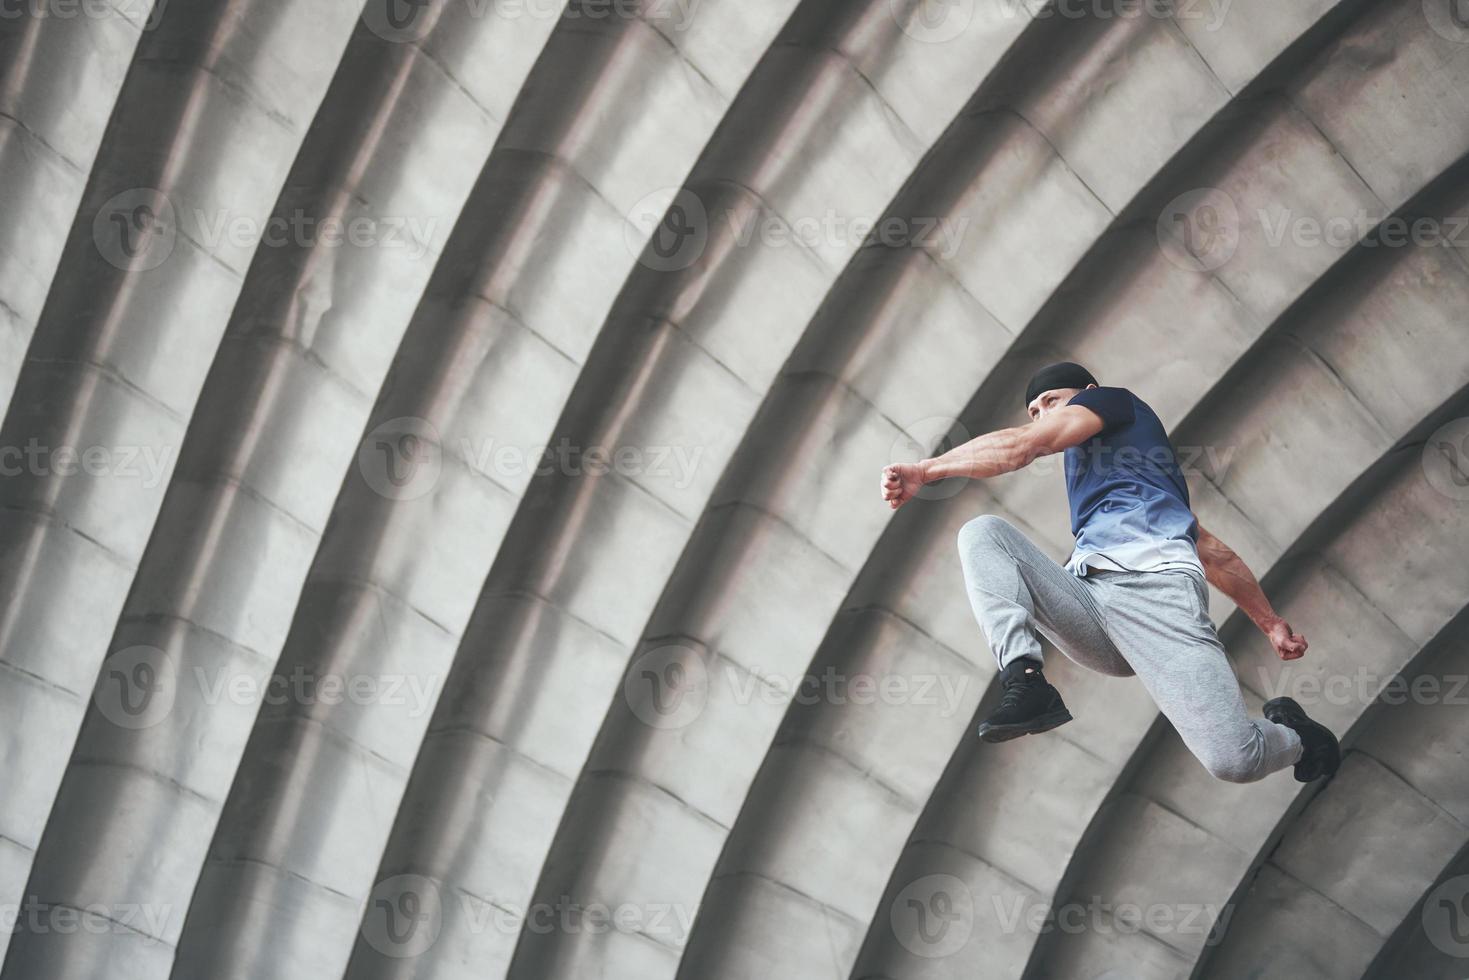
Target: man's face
1048 401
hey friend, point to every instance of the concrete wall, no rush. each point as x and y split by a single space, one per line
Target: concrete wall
312 665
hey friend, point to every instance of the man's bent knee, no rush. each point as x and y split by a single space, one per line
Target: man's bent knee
1232 767
985 531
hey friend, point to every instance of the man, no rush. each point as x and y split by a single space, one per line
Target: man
1131 599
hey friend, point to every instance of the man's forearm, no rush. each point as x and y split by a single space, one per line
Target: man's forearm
1229 574
994 453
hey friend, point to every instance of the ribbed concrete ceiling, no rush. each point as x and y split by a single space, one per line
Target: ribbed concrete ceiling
311 665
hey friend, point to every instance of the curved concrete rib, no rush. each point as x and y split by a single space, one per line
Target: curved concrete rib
1411 951
1026 860
1360 859
398 143
674 358
59 79
211 113
418 517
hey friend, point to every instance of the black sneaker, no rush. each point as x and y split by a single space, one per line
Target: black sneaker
1320 753
1028 706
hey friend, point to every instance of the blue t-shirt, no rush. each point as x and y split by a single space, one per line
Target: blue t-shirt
1129 500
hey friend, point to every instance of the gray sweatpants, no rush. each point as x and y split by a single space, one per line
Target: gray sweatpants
1152 624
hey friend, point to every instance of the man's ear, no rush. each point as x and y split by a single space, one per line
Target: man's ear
1092 385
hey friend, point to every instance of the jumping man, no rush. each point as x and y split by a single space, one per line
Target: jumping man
1131 599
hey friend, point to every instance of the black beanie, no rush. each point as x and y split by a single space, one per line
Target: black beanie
1062 375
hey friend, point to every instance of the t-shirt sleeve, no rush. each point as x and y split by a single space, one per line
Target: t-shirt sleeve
1114 405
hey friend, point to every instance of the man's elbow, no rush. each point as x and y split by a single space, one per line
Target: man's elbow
1214 554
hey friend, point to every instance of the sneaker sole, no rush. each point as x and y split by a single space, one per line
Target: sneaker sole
1003 733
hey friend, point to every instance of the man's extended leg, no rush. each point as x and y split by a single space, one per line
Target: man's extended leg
1160 622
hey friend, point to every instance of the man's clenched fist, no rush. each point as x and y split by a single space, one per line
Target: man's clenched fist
1289 645
900 482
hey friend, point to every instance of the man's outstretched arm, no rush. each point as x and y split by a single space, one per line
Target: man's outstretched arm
993 453
1227 572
